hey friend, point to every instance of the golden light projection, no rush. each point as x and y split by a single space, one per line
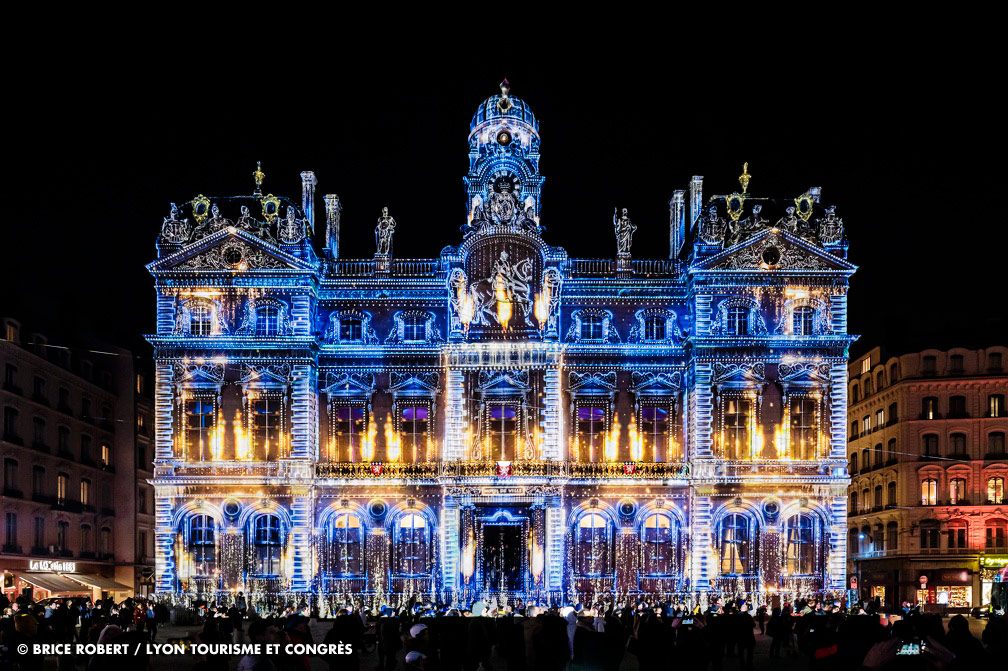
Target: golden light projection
503 303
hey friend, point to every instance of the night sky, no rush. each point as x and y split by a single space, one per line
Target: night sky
90 165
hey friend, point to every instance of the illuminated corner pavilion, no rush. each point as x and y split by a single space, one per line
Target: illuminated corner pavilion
502 420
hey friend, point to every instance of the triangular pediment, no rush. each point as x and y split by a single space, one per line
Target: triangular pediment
231 249
772 250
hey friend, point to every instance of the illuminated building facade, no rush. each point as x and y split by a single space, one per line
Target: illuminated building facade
928 518
501 419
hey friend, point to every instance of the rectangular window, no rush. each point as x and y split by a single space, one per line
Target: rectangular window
10 424
880 418
39 390
957 406
106 454
267 428
38 541
996 405
994 361
38 431
414 328
348 432
928 365
503 432
142 500
865 365
64 400
656 435
10 536
654 328
591 433
199 424
736 435
10 375
38 481
10 475
929 408
591 327
351 330
866 424
85 492
62 485
956 364
414 427
804 432
929 492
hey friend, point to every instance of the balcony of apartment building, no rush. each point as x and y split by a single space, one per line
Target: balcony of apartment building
9 385
13 438
13 493
12 549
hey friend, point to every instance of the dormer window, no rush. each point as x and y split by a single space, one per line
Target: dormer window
591 327
654 328
738 321
928 365
267 323
414 328
803 321
351 329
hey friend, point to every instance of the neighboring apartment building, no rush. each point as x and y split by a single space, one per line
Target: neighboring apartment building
927 515
69 470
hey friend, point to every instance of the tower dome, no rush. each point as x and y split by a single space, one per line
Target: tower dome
504 112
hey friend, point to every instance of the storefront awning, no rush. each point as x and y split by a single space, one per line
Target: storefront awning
53 582
100 582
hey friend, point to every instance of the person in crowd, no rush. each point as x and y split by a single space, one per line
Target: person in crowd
263 632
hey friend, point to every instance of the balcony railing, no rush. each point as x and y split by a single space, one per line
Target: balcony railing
12 388
10 548
13 493
13 438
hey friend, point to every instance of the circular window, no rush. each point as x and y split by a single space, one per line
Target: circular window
378 508
504 138
771 256
231 508
233 256
627 508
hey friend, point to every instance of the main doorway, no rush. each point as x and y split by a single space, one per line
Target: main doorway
503 554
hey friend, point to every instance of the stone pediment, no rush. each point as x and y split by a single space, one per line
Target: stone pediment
775 249
230 249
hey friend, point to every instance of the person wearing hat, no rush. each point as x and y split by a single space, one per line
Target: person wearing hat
416 661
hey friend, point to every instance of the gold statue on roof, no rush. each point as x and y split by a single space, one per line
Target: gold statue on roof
258 176
745 177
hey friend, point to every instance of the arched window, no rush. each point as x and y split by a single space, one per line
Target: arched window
660 544
345 539
86 536
929 408
891 493
803 320
737 533
891 450
929 492
995 405
866 498
201 319
865 459
802 540
267 321
594 545
202 544
929 445
266 542
853 502
957 491
879 380
995 445
994 534
957 533
866 540
877 501
892 536
412 545
855 394
852 542
105 543
995 490
738 320
879 457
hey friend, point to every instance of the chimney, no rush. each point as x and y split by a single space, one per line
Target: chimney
308 183
695 198
332 209
677 222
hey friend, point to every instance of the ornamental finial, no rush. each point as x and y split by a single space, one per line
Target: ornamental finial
745 177
504 104
258 177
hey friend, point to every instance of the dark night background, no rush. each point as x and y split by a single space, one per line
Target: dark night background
908 152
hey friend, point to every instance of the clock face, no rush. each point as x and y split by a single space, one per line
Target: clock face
504 138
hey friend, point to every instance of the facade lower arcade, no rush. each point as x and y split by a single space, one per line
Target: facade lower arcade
501 420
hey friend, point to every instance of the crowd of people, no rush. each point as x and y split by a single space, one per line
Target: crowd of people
419 636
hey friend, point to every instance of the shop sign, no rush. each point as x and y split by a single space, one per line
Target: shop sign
923 581
994 561
953 576
54 566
